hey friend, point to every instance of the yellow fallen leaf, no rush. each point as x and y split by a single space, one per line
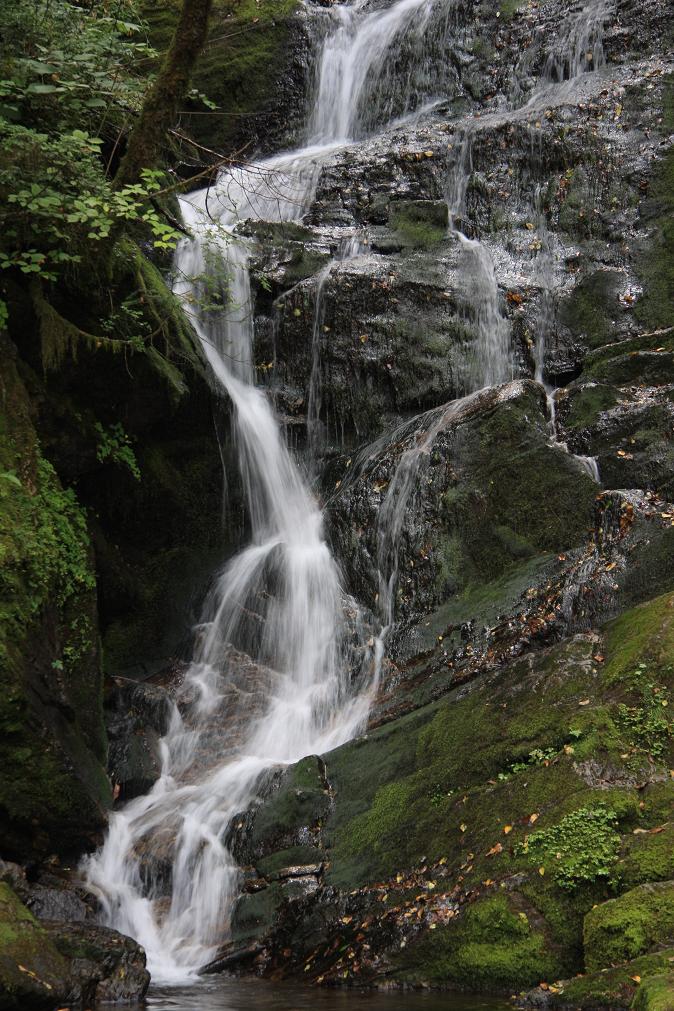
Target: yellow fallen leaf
541 871
637 979
507 829
533 818
463 826
584 702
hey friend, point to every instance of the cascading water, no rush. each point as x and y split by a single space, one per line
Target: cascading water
279 601
490 359
577 49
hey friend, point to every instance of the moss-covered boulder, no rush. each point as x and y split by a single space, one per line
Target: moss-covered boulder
629 985
53 786
44 964
33 973
630 925
475 488
655 993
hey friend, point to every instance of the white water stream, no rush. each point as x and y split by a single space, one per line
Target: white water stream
279 600
165 874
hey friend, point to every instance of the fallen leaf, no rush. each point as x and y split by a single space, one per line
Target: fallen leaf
533 818
495 849
507 829
541 871
637 979
463 827
584 702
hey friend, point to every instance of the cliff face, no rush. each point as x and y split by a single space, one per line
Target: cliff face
508 814
516 774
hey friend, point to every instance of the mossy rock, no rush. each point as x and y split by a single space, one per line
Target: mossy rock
655 264
620 987
252 68
648 856
492 946
590 310
419 223
33 974
655 993
630 925
53 786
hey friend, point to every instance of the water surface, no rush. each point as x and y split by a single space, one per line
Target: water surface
263 995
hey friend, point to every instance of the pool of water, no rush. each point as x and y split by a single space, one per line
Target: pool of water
262 995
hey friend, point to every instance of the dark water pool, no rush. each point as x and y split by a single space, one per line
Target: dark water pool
261 995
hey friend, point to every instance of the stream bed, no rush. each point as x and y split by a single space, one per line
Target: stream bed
263 995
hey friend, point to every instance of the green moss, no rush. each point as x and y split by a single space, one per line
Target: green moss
588 403
494 781
644 635
612 988
590 309
656 993
240 67
490 946
581 848
648 856
419 223
655 267
509 8
32 972
629 926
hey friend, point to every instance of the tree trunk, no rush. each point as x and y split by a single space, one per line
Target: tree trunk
161 104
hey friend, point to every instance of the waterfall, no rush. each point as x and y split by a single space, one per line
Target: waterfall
360 85
164 874
272 679
576 49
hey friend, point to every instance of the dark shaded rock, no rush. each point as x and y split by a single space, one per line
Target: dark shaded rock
105 966
33 973
484 492
137 715
53 787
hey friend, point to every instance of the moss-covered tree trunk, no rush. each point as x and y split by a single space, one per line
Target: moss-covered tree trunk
161 104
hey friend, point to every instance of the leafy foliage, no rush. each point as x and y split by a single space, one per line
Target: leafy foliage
69 85
647 726
580 849
115 445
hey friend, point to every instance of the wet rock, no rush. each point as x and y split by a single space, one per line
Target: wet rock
105 966
137 715
484 490
33 973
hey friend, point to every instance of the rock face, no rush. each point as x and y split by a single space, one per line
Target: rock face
48 963
507 818
465 842
512 795
53 787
